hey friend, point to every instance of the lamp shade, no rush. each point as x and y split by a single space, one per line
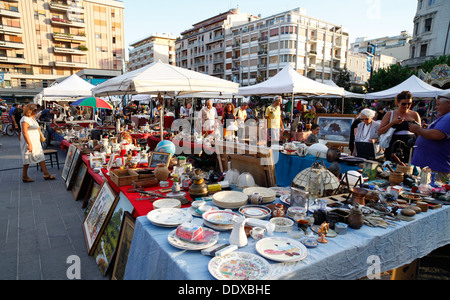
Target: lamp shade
316 180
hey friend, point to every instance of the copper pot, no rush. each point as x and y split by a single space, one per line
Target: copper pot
359 195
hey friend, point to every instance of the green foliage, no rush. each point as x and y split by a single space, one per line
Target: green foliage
343 79
430 64
389 77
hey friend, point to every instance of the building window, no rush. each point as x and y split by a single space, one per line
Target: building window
423 50
428 25
431 2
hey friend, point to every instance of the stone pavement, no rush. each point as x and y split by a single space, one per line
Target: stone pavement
40 222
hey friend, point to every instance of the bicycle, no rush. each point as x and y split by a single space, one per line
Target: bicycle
11 130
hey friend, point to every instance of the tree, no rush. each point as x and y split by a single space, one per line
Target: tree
389 77
343 79
428 66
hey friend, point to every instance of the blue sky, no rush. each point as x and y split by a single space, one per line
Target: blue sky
370 18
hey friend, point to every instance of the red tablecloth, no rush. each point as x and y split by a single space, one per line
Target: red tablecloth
64 145
141 208
97 177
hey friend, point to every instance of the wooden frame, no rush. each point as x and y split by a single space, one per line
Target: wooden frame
78 181
68 162
123 246
258 161
74 167
156 158
91 195
342 127
107 245
99 214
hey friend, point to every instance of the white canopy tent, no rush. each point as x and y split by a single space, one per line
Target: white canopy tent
289 81
346 93
70 89
417 87
164 79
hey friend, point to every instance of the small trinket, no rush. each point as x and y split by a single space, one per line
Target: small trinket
323 231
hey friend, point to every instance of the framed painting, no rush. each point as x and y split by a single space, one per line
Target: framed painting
73 168
93 189
123 247
107 244
156 158
79 181
335 127
68 162
98 216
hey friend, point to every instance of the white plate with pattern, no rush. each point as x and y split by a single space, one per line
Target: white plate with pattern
169 217
239 266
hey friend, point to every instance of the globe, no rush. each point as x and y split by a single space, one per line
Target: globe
166 147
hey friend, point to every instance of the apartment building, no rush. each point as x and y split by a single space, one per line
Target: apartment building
258 50
431 37
202 48
150 49
395 46
41 40
358 68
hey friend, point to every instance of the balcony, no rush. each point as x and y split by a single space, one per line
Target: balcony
14 60
12 13
10 29
64 50
65 22
70 64
13 45
67 37
61 7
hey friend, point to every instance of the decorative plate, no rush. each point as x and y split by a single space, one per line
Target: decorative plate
239 266
219 217
255 211
310 242
168 217
282 224
185 245
281 249
167 203
286 199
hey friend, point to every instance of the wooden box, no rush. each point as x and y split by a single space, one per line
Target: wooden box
123 177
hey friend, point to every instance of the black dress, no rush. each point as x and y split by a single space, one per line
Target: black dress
396 147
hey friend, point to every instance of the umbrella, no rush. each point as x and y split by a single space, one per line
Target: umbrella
93 102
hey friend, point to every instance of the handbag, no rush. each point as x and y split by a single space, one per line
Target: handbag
43 139
385 139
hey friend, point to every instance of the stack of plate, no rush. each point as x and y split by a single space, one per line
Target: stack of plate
268 194
219 220
168 217
255 211
292 211
230 199
175 241
167 203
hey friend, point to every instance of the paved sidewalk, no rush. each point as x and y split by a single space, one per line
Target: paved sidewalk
40 222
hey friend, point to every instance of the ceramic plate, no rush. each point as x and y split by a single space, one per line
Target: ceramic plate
268 194
282 224
255 211
184 245
281 249
280 191
239 266
286 199
167 203
230 199
168 217
219 217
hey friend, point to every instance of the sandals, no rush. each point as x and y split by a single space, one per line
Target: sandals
49 177
27 179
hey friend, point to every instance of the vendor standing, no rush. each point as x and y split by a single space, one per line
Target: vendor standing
241 117
433 145
274 121
209 118
48 116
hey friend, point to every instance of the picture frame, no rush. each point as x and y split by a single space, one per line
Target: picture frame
68 162
156 158
79 181
94 189
98 216
335 127
107 245
73 168
300 198
123 246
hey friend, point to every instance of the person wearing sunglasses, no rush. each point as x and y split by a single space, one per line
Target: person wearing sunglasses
400 119
433 144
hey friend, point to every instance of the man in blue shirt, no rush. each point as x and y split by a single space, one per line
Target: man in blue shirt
433 144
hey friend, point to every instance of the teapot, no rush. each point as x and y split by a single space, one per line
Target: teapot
302 150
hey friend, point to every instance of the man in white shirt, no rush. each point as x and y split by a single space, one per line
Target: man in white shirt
209 118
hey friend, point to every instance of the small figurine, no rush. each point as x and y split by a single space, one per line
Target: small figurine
323 231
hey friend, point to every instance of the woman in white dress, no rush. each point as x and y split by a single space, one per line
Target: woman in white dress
30 144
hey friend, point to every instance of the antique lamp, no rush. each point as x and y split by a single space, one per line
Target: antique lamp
316 180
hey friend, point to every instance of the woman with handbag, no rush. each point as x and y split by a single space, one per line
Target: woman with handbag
395 125
30 143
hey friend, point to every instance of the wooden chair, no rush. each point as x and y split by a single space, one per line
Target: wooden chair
52 154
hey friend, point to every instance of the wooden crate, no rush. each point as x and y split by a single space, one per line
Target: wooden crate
123 177
258 161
